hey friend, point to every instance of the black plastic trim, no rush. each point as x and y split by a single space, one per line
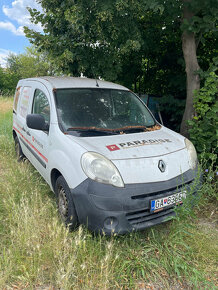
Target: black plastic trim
96 202
34 154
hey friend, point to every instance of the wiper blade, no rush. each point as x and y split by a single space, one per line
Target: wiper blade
138 128
93 129
130 128
115 131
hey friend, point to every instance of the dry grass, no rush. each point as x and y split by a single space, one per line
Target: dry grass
6 105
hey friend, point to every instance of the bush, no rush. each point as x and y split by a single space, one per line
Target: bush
203 127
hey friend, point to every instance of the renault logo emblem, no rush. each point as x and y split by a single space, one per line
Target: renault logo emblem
161 165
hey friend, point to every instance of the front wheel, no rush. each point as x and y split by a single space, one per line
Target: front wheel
65 203
18 150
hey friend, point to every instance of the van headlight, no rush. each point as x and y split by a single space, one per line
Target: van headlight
99 168
192 154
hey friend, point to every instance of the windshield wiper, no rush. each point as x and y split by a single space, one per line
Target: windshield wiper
115 131
93 129
131 128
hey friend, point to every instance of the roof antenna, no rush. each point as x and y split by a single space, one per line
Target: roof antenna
97 85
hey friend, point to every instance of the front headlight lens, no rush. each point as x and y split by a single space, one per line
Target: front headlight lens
99 168
193 159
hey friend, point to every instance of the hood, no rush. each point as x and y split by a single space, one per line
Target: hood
136 145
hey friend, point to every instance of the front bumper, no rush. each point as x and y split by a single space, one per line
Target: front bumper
109 209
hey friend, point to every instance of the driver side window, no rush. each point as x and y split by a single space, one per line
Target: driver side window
41 105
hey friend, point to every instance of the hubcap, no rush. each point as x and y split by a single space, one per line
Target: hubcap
63 204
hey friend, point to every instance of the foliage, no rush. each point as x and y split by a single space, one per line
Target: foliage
115 40
96 38
210 185
136 43
204 19
8 81
203 127
28 64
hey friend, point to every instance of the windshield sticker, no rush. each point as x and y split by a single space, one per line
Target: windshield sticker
137 143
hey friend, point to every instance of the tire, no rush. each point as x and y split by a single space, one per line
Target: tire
65 203
19 153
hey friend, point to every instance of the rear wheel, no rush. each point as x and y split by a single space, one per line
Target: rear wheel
65 203
18 150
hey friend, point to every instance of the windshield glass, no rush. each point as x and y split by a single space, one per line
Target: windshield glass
101 109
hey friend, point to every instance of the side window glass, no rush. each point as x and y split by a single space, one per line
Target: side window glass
24 101
41 105
16 98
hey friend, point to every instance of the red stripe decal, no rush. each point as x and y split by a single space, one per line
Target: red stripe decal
37 151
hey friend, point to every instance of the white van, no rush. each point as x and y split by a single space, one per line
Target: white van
112 166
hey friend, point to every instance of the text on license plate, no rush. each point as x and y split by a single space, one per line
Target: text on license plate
158 204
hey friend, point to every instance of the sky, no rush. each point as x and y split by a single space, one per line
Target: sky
13 16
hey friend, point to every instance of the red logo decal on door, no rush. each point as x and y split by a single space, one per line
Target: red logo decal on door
113 147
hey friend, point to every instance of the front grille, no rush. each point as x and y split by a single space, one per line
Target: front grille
138 219
162 192
144 218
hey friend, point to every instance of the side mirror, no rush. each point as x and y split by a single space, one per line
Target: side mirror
37 122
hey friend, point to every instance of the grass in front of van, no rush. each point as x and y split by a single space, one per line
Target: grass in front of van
36 250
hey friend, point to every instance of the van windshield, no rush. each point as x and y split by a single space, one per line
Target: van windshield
101 110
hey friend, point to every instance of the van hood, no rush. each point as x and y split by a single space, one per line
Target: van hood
136 145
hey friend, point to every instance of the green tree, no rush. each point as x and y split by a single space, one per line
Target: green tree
1 79
123 41
203 127
31 63
8 81
199 17
131 41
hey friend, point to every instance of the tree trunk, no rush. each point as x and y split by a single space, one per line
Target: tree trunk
191 66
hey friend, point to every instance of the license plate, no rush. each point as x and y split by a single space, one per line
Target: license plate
159 204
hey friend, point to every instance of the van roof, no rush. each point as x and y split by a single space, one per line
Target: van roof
73 82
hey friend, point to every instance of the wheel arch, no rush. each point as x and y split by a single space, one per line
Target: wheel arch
62 163
55 173
14 134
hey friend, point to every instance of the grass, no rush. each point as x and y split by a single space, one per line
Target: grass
37 251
